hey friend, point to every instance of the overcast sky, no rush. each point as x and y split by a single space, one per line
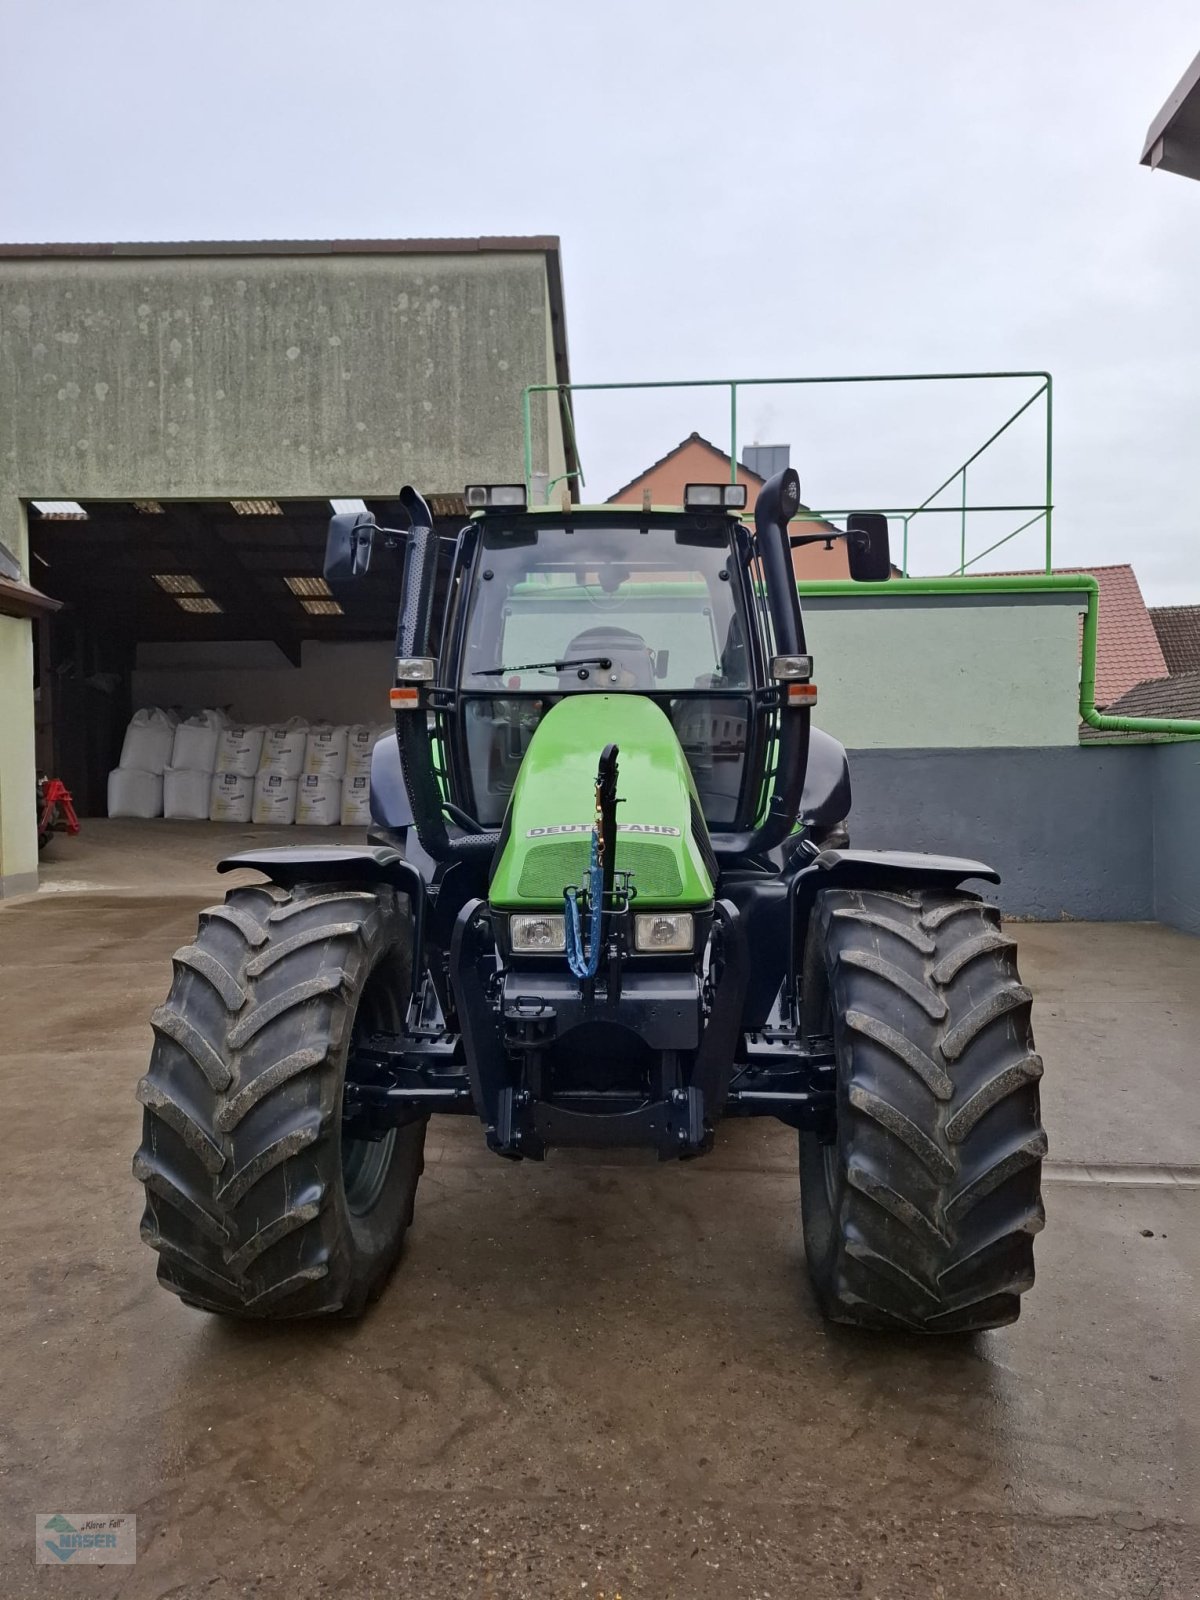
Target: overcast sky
770 189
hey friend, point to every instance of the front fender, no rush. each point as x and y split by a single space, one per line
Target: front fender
870 869
368 865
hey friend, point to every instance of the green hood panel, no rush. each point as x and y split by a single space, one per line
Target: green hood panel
547 839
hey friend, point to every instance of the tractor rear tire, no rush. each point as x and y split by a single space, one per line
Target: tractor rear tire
921 1213
256 1204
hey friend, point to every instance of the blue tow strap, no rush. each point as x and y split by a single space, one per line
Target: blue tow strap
585 966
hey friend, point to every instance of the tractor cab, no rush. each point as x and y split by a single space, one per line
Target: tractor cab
654 603
685 606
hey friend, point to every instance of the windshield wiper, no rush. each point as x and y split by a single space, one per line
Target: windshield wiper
539 666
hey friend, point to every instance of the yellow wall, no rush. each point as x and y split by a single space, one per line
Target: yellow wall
18 825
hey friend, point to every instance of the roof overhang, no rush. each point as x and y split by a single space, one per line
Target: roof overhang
20 599
1173 140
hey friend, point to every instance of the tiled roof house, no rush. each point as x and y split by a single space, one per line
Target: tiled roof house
1178 630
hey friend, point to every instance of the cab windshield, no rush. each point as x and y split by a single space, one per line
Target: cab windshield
655 604
592 609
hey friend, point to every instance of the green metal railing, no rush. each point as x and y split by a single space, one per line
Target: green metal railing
1042 511
1078 583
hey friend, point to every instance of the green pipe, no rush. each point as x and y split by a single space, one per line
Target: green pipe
898 511
1083 582
569 412
1049 473
527 419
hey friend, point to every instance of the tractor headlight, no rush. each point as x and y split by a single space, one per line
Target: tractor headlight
538 934
668 931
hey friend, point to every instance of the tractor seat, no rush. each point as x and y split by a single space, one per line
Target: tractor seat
632 667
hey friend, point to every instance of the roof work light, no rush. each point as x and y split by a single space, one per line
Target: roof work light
490 496
730 495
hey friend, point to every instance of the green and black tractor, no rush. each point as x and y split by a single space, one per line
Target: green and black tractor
608 899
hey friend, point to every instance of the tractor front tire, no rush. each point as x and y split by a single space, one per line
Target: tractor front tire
920 1213
256 1203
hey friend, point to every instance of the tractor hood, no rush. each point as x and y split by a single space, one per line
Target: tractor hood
546 842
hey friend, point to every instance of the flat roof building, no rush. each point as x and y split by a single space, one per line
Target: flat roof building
191 409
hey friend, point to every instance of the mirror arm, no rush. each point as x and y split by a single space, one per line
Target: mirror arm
797 539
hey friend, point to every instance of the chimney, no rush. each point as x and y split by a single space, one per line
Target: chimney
766 459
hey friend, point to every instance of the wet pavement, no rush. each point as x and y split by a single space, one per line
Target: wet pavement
590 1377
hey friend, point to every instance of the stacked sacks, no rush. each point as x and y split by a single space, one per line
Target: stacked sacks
325 754
231 795
279 766
135 785
274 799
361 739
356 801
356 785
326 751
319 803
283 747
187 782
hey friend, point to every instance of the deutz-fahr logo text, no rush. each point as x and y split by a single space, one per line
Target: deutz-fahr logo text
586 827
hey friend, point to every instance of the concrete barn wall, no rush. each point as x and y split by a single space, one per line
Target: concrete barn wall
1068 830
1177 835
231 377
948 672
224 377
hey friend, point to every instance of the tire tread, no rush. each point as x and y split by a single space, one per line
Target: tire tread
931 1224
241 1106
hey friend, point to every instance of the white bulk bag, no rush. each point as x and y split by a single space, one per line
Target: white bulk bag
195 748
149 740
186 793
283 747
361 739
325 750
356 801
320 800
134 793
230 797
239 750
274 799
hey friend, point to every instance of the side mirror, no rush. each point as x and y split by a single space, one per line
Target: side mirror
868 548
348 545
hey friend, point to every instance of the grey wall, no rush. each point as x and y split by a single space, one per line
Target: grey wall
1177 835
1069 830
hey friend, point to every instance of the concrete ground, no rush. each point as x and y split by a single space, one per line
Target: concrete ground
588 1378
